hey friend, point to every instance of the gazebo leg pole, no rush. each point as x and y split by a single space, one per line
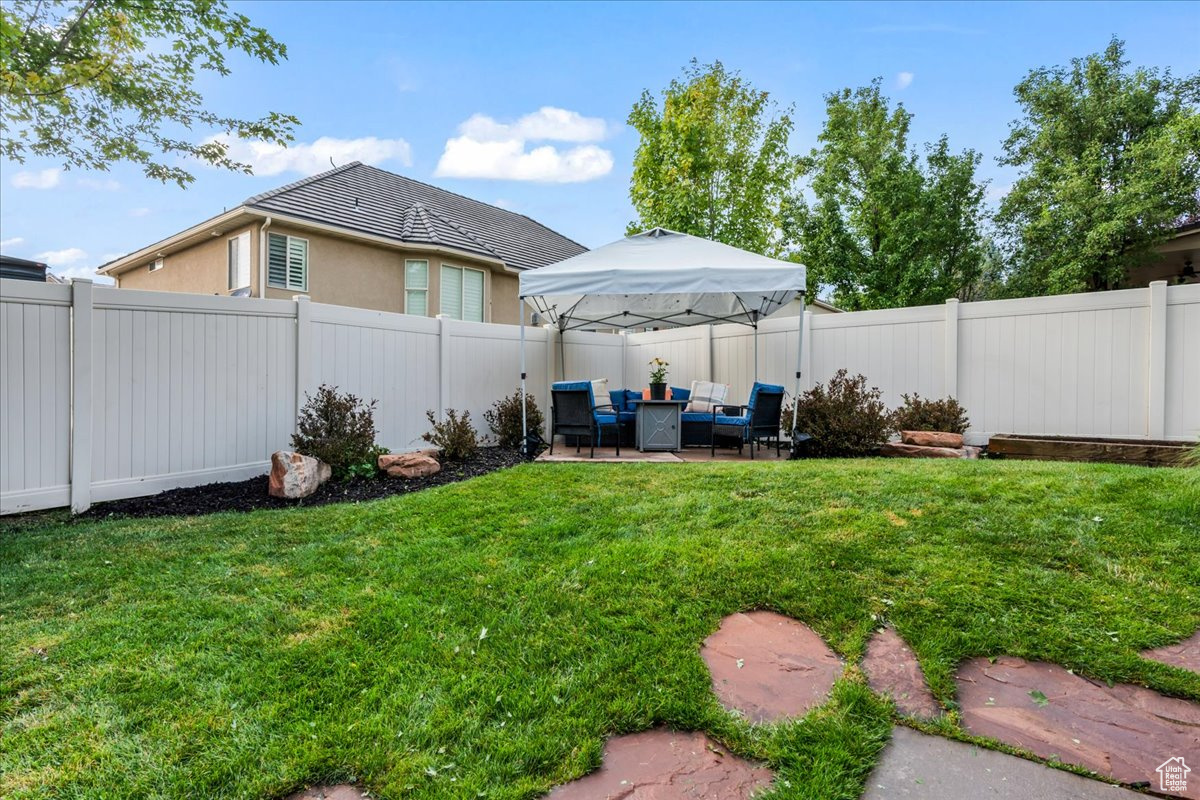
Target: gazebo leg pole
799 363
524 445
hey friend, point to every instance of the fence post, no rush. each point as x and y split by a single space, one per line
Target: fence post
81 395
807 379
443 365
1156 410
303 349
951 364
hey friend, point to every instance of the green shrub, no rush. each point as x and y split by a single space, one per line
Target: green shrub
504 419
844 417
918 414
337 428
455 438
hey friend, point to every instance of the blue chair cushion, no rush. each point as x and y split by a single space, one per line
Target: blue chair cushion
773 388
618 399
575 386
605 419
630 396
721 419
628 416
680 394
696 416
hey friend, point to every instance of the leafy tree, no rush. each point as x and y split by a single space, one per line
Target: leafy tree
881 228
712 160
94 82
1111 161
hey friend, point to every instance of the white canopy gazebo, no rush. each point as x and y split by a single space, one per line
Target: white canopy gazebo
660 279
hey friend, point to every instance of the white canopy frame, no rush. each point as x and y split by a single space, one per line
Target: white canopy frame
661 279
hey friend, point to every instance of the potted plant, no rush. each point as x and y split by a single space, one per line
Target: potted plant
658 379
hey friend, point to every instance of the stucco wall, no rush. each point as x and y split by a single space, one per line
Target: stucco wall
341 271
200 269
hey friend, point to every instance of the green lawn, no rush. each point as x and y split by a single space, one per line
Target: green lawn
250 655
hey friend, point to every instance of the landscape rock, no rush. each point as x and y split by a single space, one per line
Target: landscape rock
409 465
342 791
667 764
968 451
932 438
769 666
1185 654
294 475
901 450
1123 731
892 669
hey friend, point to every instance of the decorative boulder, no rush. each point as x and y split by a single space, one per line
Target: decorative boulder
294 475
901 450
409 465
932 438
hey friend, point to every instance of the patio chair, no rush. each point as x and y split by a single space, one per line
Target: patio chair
574 412
759 419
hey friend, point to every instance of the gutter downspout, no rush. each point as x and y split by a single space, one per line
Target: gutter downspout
262 257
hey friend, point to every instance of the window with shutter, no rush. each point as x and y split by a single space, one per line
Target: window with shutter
472 302
452 292
287 262
462 293
416 287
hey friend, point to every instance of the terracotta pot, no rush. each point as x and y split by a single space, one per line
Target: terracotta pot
658 391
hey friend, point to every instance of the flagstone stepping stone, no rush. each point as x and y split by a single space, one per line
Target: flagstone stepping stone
769 666
1185 654
1124 732
342 791
892 669
919 767
667 765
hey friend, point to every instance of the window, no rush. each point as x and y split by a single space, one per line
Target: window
416 287
462 293
239 262
156 265
287 262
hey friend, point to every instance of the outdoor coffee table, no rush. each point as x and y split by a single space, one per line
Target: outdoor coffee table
659 425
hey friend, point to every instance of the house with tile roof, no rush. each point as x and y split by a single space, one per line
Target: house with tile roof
356 236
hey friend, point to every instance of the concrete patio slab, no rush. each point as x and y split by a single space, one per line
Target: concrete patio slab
1124 732
920 767
1185 654
667 765
892 669
769 666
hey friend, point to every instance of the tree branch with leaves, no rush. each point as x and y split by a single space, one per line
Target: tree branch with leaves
99 82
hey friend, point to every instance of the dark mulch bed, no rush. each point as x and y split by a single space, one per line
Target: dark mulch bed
251 495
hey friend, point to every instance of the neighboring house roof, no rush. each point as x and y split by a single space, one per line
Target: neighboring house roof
22 269
373 201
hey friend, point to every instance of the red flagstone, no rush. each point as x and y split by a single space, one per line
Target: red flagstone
667 765
892 669
342 791
1124 732
1185 654
769 666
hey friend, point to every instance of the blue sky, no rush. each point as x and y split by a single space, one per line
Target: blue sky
524 105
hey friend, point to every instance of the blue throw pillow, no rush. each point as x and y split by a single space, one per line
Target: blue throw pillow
617 398
630 397
680 394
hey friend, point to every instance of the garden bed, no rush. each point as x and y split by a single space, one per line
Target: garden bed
1146 452
251 495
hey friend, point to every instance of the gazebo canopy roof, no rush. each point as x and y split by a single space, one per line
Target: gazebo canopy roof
661 279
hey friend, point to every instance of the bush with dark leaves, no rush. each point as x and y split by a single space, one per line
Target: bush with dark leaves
504 419
454 437
337 428
844 417
919 414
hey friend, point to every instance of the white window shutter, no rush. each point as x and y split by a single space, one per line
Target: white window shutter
297 264
452 292
472 296
277 260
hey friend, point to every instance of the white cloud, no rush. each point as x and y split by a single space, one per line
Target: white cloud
486 148
547 123
13 242
904 80
505 203
311 158
100 184
62 258
138 212
83 272
43 179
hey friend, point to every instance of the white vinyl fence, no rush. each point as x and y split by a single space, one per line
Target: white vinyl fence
108 393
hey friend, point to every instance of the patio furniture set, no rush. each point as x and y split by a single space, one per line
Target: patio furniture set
631 417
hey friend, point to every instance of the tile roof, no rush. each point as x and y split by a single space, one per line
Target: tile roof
370 200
